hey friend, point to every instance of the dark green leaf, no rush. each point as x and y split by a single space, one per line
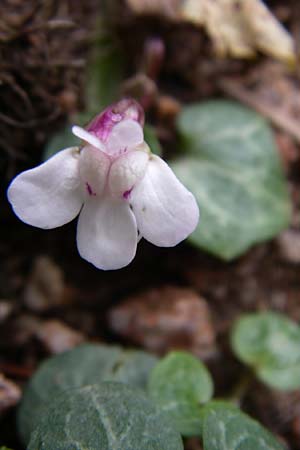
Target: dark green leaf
151 139
270 344
61 140
232 167
180 384
134 368
105 73
107 416
86 364
226 427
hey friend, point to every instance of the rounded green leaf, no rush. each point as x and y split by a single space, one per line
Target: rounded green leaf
107 416
86 364
180 384
226 427
151 139
134 368
270 343
233 169
285 378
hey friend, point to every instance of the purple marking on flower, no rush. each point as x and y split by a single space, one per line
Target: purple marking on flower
102 125
89 189
126 194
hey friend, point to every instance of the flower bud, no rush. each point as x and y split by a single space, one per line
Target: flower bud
102 125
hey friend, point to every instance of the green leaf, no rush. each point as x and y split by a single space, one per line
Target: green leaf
105 73
284 378
86 364
180 384
233 169
5 448
107 416
59 141
134 368
270 343
151 139
226 427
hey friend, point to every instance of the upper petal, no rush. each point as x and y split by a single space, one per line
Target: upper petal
107 233
88 137
103 123
166 212
93 168
127 134
49 195
126 171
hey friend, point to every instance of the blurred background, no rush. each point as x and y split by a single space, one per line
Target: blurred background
219 82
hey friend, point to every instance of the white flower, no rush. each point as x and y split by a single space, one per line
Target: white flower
119 189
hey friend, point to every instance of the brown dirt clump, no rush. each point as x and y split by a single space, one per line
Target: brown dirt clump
43 48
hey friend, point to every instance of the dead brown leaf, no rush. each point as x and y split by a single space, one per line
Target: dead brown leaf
238 28
164 7
241 27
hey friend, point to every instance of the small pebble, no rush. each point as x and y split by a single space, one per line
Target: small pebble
10 393
289 246
166 318
45 288
57 337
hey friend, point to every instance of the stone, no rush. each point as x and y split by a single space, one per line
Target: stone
166 318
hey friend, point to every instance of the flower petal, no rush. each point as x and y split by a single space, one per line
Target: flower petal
166 212
90 138
126 171
127 134
93 168
107 233
49 195
103 123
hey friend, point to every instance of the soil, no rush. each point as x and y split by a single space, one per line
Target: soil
51 299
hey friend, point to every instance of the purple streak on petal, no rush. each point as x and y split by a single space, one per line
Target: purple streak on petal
126 194
89 189
102 124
